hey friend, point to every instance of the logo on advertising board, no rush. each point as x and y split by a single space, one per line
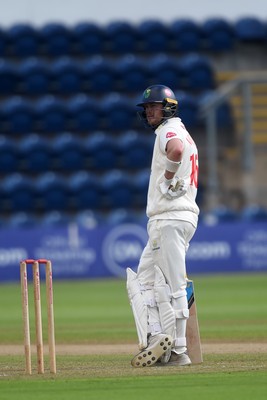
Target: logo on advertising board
122 248
253 249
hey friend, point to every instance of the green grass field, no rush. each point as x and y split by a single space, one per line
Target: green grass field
231 308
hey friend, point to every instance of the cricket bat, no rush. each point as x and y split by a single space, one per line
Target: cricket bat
192 327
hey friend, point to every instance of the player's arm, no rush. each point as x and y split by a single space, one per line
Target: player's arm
174 152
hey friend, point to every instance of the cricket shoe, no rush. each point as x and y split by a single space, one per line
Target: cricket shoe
157 346
179 360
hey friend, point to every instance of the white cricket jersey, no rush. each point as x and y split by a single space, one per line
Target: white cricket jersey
185 207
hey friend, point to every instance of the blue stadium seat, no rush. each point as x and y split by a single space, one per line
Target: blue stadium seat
18 193
121 37
118 112
88 219
17 115
165 70
51 114
118 190
9 159
54 218
254 213
135 150
99 75
85 191
67 76
221 214
89 38
186 35
4 46
250 29
197 72
68 152
187 109
23 40
56 39
35 154
224 116
218 35
34 77
22 220
102 151
84 113
154 36
121 216
132 73
52 192
8 78
141 181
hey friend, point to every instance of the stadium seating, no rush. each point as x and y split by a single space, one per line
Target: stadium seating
254 213
83 113
3 43
66 76
197 72
88 38
17 115
154 36
218 35
9 158
23 40
85 191
68 153
102 151
8 78
51 115
52 192
121 216
121 37
18 193
22 220
117 190
131 73
35 154
186 35
99 75
53 219
118 112
88 219
55 39
68 117
165 69
135 150
34 78
250 29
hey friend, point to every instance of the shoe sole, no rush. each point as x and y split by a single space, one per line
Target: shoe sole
148 357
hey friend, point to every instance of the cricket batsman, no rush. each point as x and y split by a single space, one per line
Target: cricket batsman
157 292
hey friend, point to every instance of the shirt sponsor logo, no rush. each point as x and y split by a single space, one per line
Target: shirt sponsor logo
170 135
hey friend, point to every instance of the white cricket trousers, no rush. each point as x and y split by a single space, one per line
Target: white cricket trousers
166 247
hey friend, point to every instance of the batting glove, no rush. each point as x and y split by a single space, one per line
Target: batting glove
174 188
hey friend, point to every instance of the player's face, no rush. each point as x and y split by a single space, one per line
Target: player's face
154 113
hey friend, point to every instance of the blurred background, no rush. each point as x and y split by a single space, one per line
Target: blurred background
75 159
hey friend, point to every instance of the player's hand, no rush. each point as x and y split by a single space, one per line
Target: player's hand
174 188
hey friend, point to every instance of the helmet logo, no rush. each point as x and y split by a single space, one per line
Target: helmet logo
168 92
147 93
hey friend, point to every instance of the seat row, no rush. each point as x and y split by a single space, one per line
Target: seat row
80 190
89 219
83 113
66 152
99 74
150 35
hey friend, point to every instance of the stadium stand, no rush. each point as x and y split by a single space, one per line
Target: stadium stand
68 117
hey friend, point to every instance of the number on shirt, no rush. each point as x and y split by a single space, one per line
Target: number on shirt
194 170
